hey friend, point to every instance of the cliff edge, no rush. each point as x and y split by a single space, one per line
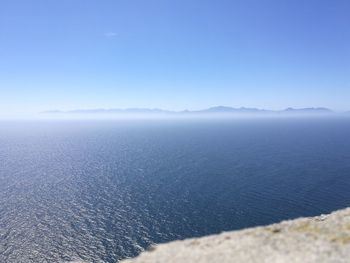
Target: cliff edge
324 238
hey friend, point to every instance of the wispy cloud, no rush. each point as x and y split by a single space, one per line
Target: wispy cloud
110 34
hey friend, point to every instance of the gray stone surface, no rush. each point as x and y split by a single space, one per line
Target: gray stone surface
325 238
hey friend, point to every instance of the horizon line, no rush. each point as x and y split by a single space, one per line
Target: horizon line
213 109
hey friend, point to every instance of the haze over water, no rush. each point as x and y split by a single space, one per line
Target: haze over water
100 191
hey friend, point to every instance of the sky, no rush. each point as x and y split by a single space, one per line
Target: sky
173 54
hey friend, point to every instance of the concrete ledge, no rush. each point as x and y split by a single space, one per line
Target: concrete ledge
325 238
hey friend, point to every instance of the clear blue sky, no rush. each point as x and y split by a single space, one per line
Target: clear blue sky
173 54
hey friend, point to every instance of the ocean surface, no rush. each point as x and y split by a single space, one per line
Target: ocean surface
101 191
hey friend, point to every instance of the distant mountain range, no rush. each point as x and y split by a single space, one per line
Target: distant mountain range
212 110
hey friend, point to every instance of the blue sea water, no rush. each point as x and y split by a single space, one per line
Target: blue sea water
100 191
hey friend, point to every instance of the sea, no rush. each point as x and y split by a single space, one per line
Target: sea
105 190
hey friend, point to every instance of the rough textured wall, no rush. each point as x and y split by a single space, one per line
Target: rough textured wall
325 238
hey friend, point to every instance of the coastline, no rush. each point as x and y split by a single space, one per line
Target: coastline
324 238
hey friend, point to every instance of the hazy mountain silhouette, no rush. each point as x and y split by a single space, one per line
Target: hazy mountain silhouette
308 110
224 109
212 110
